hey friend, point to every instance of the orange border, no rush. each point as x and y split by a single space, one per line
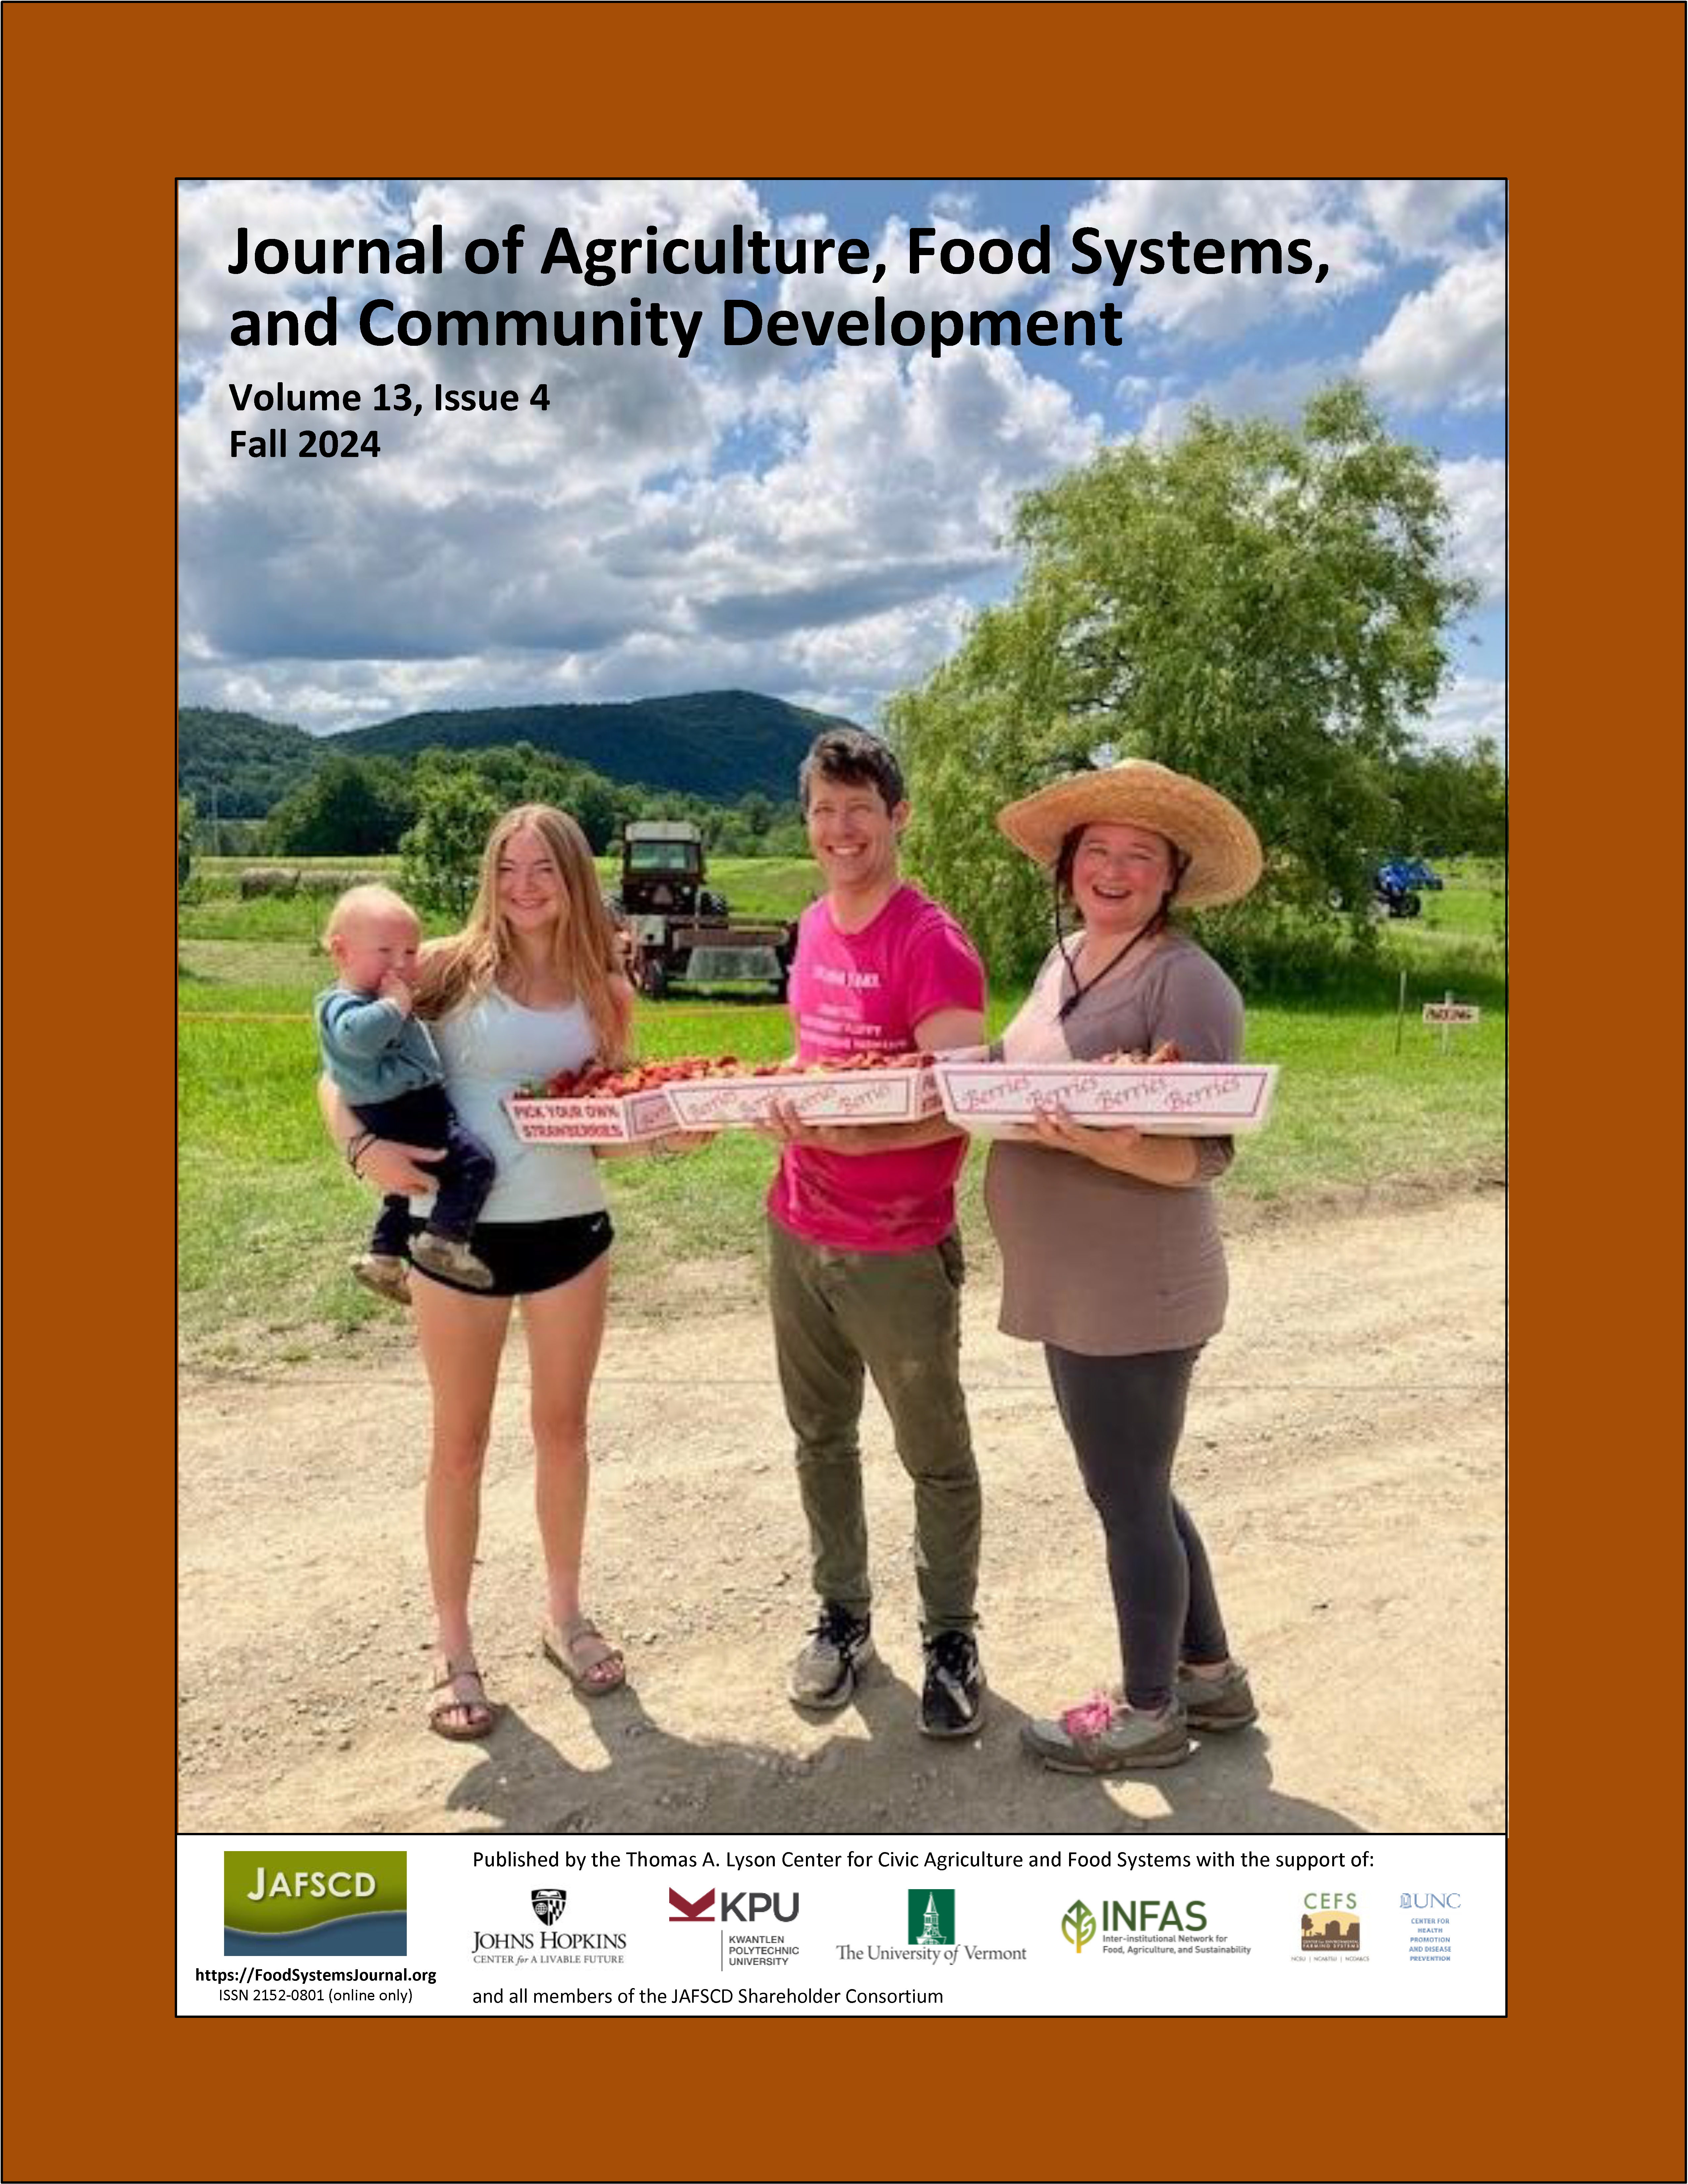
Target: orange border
1580 106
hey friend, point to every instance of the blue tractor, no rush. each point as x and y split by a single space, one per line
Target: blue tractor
1397 885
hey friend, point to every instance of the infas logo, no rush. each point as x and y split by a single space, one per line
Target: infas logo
308 1903
1078 1923
690 1914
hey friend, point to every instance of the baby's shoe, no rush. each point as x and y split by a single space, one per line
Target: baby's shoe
387 1277
450 1256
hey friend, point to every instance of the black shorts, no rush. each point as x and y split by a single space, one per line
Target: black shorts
525 1257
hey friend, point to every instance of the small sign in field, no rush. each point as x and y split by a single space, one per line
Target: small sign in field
1451 1012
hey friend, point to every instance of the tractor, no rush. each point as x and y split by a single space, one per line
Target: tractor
1396 883
681 931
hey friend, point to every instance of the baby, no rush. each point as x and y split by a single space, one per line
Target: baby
388 1073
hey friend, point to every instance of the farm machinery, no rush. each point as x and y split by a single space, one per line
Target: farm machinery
681 931
1397 886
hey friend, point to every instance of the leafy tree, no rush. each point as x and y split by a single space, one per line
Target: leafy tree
1258 604
1450 803
349 807
184 840
454 814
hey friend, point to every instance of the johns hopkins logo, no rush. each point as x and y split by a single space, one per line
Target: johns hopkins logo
549 1904
932 1917
309 1903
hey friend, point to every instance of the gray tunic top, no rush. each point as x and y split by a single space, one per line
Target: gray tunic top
1093 1260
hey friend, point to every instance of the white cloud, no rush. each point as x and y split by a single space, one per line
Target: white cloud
1418 218
1202 307
1476 488
1447 344
1472 705
1252 390
630 539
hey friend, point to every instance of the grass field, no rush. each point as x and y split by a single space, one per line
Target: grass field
268 1216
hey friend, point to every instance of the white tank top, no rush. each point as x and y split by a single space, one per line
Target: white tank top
489 1051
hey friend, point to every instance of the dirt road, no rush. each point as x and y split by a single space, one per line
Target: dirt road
1343 1454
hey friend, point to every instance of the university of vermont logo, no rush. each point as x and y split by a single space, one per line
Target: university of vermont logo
314 1903
932 1917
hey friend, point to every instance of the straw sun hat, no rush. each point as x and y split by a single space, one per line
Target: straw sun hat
1222 848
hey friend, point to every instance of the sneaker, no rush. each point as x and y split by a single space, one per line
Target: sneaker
1101 1737
825 1672
450 1256
1217 1702
389 1277
952 1703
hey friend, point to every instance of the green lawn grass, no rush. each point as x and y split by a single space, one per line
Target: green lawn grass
269 1217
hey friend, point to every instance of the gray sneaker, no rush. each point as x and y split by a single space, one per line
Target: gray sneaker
1103 1738
449 1257
825 1672
1217 1702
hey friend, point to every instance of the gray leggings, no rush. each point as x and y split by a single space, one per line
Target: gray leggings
1124 1415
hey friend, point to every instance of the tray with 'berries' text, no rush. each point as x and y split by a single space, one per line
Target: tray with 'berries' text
597 1106
864 1089
1167 1099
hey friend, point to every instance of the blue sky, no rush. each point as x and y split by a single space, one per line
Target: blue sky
820 525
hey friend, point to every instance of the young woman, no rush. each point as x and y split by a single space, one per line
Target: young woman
1111 1250
532 984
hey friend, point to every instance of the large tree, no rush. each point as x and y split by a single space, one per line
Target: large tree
1260 605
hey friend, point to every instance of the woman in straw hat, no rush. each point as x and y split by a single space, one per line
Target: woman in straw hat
1111 1250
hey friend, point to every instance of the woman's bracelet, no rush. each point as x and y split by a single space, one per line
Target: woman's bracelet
356 1149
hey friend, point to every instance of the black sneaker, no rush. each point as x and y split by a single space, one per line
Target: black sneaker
953 1702
824 1672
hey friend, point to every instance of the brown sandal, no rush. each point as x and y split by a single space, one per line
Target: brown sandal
578 1650
449 1701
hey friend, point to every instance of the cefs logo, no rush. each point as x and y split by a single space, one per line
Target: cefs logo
932 1917
690 1914
1078 1923
1330 1922
549 1904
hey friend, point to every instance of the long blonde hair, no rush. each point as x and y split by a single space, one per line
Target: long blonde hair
462 969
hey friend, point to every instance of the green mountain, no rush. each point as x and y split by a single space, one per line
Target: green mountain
238 765
715 744
718 744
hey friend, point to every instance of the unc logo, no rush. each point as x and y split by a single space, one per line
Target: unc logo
547 1904
1448 1901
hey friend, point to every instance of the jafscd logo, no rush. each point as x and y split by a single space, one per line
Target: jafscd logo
311 1903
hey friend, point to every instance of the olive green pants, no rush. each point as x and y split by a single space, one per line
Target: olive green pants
897 1315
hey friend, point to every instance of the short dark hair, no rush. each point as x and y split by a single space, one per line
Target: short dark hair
853 757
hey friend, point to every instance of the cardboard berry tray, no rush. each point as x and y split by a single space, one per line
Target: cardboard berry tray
818 1095
1181 1098
590 1119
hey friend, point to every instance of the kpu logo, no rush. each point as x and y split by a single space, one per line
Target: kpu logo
932 1917
549 1904
333 1903
691 1913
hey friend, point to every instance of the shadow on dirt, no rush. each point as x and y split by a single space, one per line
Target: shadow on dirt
876 1774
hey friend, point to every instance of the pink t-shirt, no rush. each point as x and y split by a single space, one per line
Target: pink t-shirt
864 992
